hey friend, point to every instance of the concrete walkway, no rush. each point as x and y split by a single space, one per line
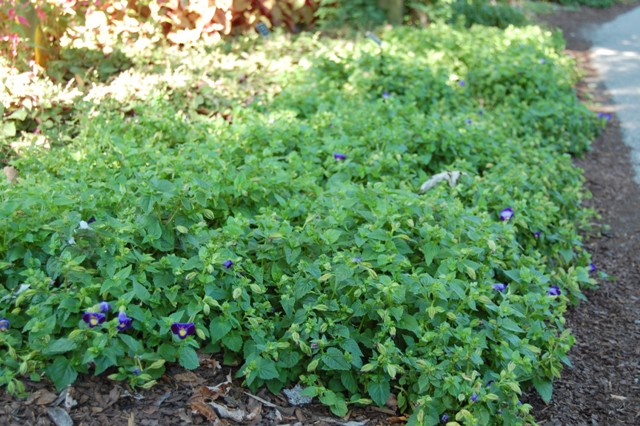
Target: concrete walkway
616 56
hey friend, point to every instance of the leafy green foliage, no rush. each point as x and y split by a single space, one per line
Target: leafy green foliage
299 265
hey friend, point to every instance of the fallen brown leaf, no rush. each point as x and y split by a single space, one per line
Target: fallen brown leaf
204 409
209 362
114 396
396 420
41 397
208 392
189 378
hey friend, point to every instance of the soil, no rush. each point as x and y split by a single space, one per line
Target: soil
602 388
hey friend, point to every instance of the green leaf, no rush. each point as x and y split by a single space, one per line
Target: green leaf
61 373
349 382
514 274
188 358
233 342
509 324
167 352
267 369
8 129
379 391
60 346
331 236
141 291
133 344
218 328
334 359
123 274
544 388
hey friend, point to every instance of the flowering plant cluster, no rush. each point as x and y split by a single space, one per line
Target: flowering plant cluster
292 239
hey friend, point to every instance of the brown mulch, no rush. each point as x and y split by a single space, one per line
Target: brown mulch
602 388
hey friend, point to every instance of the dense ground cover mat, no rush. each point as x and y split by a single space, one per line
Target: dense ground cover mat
293 239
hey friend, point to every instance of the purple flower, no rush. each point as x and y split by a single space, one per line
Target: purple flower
91 219
183 329
339 156
474 397
536 234
228 264
592 267
461 83
104 307
554 290
604 115
357 259
386 95
136 371
468 121
542 61
94 318
124 322
4 324
506 214
500 287
314 345
444 418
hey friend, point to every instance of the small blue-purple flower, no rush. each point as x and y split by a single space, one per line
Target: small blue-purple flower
536 234
474 397
124 322
104 307
228 264
94 318
4 325
506 214
461 83
136 371
444 418
386 95
543 61
183 329
500 287
468 121
592 267
339 156
554 290
357 259
605 116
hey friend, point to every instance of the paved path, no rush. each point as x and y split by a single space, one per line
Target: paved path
616 56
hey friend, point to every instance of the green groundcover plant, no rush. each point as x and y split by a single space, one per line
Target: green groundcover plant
292 239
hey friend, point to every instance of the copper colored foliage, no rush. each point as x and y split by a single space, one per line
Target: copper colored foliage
187 21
